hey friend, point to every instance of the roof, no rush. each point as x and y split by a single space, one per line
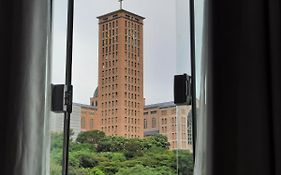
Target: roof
84 106
120 10
161 105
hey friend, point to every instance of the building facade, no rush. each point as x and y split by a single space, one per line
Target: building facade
88 115
119 96
120 75
82 117
171 121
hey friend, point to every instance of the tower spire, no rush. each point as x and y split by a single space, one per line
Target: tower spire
121 3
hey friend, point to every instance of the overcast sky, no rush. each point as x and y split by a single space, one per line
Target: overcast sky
162 47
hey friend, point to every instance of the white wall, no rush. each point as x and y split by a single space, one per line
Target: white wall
56 121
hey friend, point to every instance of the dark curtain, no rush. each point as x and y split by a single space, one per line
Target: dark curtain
244 87
25 86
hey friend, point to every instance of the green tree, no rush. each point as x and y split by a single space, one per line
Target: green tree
92 171
133 149
73 161
113 156
87 161
183 161
56 140
55 169
112 144
92 137
141 170
109 167
157 158
96 154
74 171
85 147
159 140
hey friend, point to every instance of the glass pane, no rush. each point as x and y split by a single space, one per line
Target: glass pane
58 73
124 120
183 112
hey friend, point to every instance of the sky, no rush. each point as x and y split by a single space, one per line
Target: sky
165 52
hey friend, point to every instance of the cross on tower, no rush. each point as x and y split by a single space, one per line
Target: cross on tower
120 3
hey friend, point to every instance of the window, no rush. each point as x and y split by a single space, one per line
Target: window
153 122
153 112
164 112
145 124
91 123
83 123
131 108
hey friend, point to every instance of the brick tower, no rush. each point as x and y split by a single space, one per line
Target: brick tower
120 74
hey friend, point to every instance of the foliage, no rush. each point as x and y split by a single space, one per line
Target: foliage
141 170
92 171
111 144
87 161
73 161
92 137
56 141
184 162
156 159
159 140
132 150
116 144
113 156
74 171
55 169
56 150
86 147
109 167
93 153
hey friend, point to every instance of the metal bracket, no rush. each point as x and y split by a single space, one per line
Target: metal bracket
62 98
182 90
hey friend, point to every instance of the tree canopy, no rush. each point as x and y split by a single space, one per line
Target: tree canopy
94 153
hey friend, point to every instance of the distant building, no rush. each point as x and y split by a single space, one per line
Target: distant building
81 119
88 115
119 96
161 118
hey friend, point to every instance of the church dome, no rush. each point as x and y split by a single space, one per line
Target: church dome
96 93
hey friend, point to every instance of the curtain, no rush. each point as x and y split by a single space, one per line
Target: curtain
244 87
25 86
